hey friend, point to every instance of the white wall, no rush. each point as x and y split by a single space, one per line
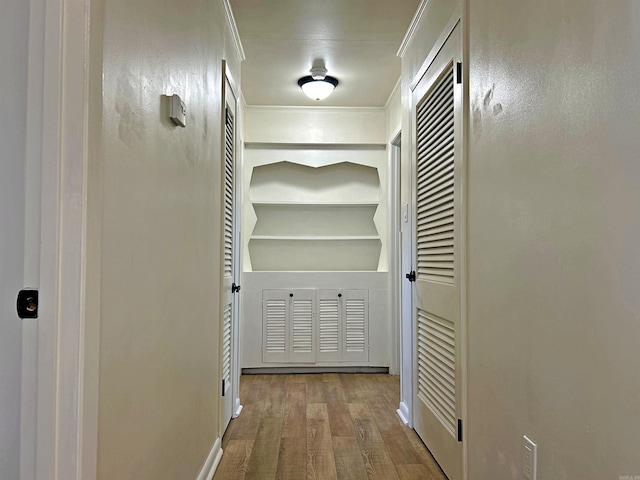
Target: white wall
315 125
393 112
157 190
554 209
553 233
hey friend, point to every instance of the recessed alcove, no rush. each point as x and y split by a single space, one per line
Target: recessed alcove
315 218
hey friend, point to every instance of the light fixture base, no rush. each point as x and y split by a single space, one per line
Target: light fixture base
318 73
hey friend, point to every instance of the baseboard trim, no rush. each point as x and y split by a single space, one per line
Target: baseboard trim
403 413
288 370
212 461
238 408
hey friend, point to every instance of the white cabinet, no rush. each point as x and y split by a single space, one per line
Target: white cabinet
309 326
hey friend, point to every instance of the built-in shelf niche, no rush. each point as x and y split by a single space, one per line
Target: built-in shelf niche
315 219
286 219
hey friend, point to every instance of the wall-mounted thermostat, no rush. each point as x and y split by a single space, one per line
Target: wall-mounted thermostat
177 111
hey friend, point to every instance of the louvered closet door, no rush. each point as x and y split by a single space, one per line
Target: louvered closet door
343 325
288 326
438 187
355 325
228 264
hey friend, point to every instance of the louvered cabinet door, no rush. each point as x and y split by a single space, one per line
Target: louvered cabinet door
355 325
275 324
329 333
438 247
301 331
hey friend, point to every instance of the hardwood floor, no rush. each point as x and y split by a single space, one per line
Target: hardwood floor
322 427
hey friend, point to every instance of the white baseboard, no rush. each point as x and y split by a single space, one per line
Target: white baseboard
238 409
403 413
212 461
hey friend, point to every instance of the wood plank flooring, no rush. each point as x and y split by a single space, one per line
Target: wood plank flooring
322 427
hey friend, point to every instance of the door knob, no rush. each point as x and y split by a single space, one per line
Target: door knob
27 304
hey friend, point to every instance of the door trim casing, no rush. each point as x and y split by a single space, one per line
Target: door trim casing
66 396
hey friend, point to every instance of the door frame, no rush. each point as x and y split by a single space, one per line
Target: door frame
395 262
400 289
65 391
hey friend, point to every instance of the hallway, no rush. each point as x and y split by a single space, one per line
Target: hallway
463 209
322 426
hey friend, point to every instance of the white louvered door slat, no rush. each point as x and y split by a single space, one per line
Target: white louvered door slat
435 182
437 372
228 192
226 347
355 325
301 332
437 225
275 315
329 326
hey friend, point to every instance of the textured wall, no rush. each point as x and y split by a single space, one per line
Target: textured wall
554 203
160 238
314 125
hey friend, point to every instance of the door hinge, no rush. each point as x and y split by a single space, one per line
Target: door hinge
27 304
223 389
459 72
411 276
459 430
235 288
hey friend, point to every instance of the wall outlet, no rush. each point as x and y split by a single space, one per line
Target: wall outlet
529 458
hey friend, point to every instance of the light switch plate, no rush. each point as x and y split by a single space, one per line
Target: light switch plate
529 458
177 111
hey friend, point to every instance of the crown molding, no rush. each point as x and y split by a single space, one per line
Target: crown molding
234 29
412 28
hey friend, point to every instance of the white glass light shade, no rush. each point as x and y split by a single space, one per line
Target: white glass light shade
317 89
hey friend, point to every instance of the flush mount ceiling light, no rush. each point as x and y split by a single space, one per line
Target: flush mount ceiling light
318 85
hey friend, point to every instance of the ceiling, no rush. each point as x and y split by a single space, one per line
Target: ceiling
356 39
